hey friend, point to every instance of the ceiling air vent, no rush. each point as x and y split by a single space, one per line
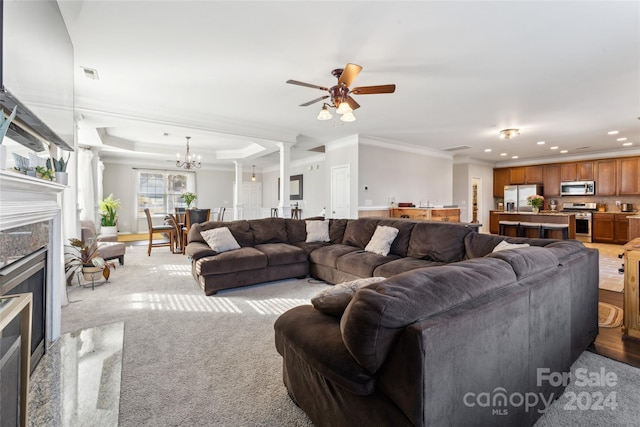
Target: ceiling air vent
457 148
90 73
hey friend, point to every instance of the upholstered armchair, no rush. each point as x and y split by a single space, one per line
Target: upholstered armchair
108 246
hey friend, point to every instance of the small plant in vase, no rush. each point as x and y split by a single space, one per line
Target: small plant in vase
60 168
188 198
83 259
536 202
109 215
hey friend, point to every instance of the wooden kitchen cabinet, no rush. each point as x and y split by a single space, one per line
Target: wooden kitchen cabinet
427 214
494 222
628 176
517 176
577 171
551 180
605 177
500 179
603 227
610 228
525 175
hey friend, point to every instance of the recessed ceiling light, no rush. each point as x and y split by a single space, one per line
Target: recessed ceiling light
621 139
626 144
514 157
540 142
553 148
487 150
564 151
503 154
613 132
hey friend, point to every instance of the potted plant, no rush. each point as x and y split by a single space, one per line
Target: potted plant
109 215
536 201
83 260
60 167
44 173
188 198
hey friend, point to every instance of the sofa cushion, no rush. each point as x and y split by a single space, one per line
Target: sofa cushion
438 241
282 253
504 245
296 230
564 249
328 255
401 243
334 299
378 313
317 231
311 246
269 230
362 263
381 240
528 261
220 239
240 230
359 231
336 229
242 259
401 265
478 245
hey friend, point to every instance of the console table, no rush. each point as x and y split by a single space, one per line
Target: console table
631 323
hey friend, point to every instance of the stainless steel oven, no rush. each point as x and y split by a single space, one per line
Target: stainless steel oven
584 215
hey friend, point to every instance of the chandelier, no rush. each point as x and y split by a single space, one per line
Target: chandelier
190 160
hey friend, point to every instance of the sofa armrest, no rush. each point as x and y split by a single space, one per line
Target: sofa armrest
196 250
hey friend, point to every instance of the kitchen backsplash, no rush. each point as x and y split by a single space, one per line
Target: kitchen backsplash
610 201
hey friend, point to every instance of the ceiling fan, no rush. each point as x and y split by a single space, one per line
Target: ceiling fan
340 94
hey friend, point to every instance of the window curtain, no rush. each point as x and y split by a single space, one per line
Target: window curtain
86 193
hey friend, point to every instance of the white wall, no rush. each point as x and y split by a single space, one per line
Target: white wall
404 174
463 174
314 176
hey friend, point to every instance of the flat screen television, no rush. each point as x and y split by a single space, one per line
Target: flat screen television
36 73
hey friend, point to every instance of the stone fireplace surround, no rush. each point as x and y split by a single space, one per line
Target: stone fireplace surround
27 200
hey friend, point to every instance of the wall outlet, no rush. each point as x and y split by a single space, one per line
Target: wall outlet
618 203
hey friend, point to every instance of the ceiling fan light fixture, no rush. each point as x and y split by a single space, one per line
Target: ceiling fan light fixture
344 108
348 117
509 133
324 114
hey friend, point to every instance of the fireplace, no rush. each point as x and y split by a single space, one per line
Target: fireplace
28 274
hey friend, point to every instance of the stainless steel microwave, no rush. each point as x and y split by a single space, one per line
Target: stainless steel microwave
577 188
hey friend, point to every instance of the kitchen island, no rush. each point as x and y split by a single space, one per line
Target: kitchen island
552 217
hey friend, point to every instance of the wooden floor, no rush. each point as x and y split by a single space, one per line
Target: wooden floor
610 343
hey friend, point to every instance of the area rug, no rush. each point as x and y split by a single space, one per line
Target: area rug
193 360
609 316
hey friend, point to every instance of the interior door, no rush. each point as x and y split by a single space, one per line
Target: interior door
252 199
340 184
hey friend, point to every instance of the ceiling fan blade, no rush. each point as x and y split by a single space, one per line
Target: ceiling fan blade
349 74
352 103
369 90
314 101
295 82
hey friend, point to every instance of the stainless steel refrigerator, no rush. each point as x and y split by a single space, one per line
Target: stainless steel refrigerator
515 197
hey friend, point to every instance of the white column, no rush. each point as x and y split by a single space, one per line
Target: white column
237 192
284 208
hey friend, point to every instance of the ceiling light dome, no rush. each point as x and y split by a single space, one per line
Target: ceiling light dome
344 108
509 133
324 114
348 117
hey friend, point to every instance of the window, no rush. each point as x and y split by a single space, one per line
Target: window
160 190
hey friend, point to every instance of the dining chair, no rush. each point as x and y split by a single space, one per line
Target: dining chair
220 214
180 213
168 229
193 216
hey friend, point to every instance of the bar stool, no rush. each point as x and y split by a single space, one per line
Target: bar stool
274 212
545 227
505 224
524 226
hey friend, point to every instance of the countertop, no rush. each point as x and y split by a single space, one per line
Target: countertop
545 212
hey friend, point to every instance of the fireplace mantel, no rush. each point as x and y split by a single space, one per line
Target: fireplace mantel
27 200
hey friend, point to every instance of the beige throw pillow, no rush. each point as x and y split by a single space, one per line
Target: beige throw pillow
220 239
504 245
317 231
334 300
381 240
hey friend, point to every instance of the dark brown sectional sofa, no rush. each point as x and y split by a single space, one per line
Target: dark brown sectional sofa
452 323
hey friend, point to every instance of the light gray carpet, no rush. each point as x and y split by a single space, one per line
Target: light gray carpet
195 360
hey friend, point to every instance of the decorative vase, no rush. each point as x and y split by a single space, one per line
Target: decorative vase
536 209
91 273
109 230
62 178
